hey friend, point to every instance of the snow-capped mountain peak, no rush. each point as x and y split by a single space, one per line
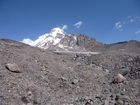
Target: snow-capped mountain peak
57 39
51 38
57 32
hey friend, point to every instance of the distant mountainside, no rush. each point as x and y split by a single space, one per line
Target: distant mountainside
131 46
57 39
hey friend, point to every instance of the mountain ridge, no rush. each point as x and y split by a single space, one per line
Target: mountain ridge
57 39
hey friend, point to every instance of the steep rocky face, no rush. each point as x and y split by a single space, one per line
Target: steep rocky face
88 43
69 40
81 42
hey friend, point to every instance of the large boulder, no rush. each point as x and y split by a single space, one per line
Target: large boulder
13 67
119 78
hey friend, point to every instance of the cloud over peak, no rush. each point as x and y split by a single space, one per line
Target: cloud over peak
65 27
78 24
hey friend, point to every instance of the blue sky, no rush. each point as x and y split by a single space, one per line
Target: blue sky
108 21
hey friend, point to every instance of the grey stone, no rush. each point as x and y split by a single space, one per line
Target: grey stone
13 67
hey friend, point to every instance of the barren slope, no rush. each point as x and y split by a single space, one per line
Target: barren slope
48 78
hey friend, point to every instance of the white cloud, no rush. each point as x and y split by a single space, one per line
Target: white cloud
78 24
27 41
121 25
65 27
132 20
118 26
137 32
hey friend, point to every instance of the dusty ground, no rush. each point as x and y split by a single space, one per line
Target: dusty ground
48 78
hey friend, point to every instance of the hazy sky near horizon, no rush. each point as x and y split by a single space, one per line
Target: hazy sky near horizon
108 21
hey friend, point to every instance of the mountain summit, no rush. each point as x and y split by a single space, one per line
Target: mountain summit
52 38
57 39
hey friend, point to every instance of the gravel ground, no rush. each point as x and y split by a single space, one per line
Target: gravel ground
48 78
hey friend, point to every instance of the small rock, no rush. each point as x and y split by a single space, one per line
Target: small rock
29 104
118 100
106 102
124 71
75 81
107 71
13 67
130 59
119 78
89 102
27 98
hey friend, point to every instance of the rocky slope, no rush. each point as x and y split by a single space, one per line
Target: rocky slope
34 76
